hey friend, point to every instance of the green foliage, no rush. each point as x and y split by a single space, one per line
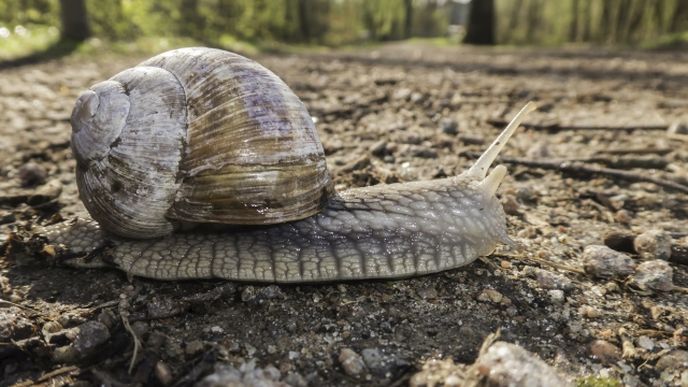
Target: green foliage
339 22
28 12
596 381
607 22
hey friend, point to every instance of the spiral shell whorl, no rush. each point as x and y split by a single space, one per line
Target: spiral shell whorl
141 112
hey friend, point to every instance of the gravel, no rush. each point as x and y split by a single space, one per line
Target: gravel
380 114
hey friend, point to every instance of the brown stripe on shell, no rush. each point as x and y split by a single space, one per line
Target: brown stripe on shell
277 192
243 119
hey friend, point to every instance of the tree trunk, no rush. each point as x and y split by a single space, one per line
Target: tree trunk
408 18
481 22
194 23
573 28
514 19
304 21
534 20
587 33
678 22
606 21
74 20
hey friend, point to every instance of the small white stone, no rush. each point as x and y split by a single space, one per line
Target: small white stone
556 295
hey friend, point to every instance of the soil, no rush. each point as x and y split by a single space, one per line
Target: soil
400 112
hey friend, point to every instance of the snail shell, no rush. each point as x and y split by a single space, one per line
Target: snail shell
196 135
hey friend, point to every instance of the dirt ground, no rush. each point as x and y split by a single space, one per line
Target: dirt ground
399 112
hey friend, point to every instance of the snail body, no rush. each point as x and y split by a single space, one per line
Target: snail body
205 118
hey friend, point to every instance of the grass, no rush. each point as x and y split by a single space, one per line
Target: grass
23 41
37 42
668 42
596 381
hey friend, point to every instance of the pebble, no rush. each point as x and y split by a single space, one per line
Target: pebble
31 174
505 364
247 375
163 307
674 360
679 252
379 149
588 311
678 128
646 343
65 355
90 336
439 373
450 126
556 295
163 373
14 325
653 275
527 195
351 362
510 205
549 280
51 327
69 320
258 295
490 295
602 262
107 317
295 379
379 365
424 153
140 328
427 293
605 351
653 244
623 216
194 347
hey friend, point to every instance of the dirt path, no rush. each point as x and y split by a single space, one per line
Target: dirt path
399 113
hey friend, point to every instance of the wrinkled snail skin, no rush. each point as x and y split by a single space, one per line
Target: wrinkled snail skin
197 137
389 231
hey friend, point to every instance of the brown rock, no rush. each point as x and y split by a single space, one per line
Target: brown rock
601 261
351 362
653 244
653 275
605 351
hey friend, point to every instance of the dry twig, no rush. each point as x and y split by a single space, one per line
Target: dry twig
557 127
581 168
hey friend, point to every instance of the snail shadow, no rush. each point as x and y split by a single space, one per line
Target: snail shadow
57 50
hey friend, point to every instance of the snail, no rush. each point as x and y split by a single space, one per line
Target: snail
200 163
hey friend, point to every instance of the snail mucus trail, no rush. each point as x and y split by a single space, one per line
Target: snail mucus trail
384 231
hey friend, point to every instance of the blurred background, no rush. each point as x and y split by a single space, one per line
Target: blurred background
30 26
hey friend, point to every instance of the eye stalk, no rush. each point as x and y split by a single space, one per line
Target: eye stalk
479 169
